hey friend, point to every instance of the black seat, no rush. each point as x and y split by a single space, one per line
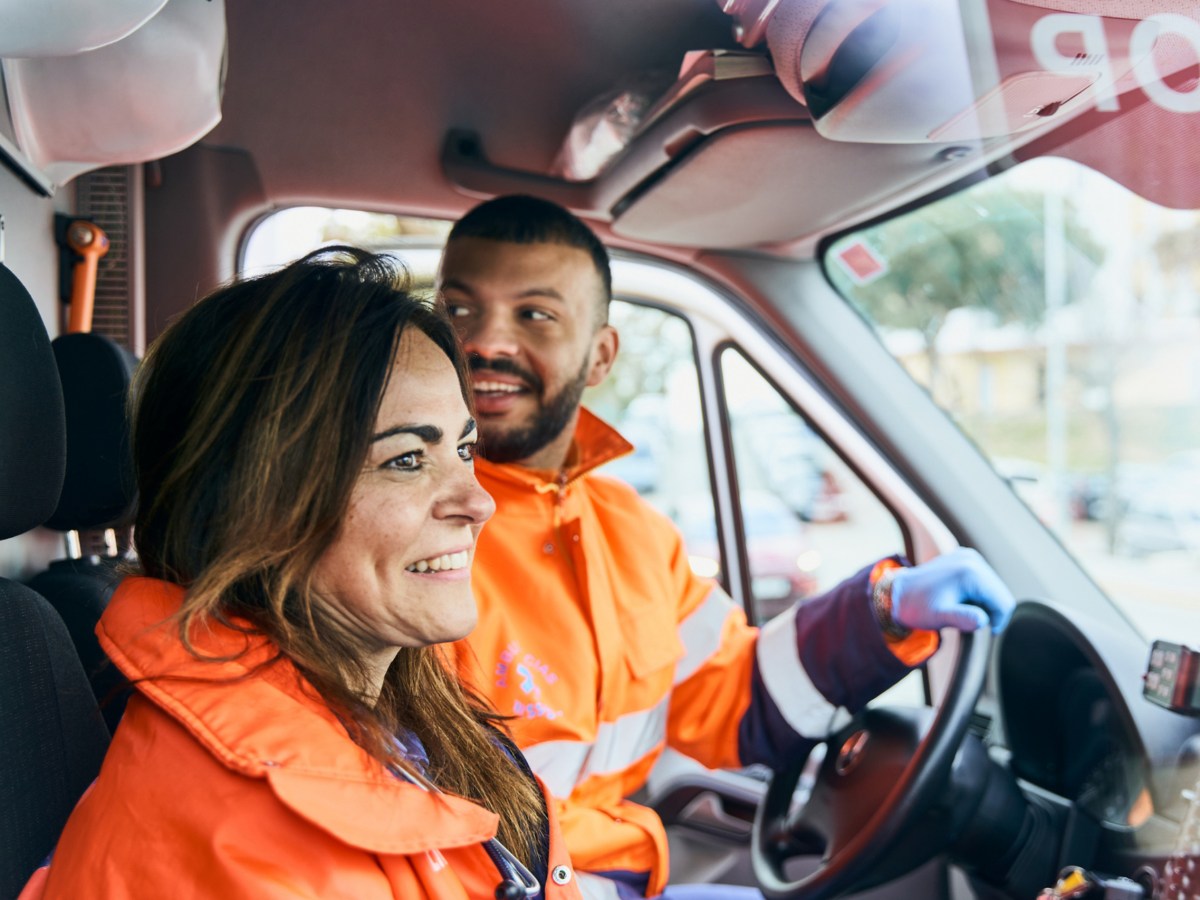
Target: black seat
52 738
97 497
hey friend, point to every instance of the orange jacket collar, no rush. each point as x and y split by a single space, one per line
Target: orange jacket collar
595 443
271 724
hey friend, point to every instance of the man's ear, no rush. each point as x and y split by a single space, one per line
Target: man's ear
604 353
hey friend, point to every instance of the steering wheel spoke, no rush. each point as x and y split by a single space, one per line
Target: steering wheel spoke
880 773
802 833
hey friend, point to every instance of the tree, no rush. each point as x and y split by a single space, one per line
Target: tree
982 248
1177 253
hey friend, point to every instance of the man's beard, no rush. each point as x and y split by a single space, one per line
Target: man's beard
551 418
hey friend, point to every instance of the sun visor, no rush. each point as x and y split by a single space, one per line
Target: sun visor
67 27
917 71
771 182
146 96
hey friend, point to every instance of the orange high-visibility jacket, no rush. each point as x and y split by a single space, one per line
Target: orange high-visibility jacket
253 788
595 635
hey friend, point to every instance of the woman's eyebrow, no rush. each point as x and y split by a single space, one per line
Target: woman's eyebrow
430 434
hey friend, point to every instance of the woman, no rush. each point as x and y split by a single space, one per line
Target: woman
307 517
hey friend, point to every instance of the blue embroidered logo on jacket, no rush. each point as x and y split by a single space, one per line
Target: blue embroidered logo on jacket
526 673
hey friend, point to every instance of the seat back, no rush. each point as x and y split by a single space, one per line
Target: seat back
97 490
79 591
52 738
97 493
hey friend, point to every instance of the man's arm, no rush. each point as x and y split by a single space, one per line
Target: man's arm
766 697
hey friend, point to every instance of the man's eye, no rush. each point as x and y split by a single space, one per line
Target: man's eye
537 315
456 310
405 462
466 452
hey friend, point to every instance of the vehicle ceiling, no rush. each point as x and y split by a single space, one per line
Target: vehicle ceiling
350 105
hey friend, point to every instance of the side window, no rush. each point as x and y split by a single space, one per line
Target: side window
653 398
809 520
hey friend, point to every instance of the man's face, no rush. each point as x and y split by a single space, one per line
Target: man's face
527 315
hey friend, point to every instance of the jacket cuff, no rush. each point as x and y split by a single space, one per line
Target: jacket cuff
815 664
918 645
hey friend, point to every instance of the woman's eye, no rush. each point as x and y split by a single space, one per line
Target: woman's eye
456 310
405 462
466 452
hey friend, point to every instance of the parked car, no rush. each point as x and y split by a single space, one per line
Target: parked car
1157 524
791 462
1091 497
783 562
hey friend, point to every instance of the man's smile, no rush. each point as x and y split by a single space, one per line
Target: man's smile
495 396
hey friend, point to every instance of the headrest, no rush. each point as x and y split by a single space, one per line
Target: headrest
98 490
33 439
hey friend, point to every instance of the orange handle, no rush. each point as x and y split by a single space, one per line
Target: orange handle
91 243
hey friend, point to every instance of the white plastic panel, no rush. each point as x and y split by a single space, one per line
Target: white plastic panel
67 27
76 113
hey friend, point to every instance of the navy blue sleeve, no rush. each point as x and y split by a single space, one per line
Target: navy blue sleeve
814 666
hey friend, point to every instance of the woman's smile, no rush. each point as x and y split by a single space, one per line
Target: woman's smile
451 566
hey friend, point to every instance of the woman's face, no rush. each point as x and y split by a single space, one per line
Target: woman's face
398 573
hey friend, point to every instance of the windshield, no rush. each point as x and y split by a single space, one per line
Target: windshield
1054 315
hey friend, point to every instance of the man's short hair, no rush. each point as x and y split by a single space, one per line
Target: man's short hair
521 219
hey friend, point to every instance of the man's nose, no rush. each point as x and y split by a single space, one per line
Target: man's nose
490 336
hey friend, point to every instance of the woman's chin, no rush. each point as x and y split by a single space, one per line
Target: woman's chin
458 627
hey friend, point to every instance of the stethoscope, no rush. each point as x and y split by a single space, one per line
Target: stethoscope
516 881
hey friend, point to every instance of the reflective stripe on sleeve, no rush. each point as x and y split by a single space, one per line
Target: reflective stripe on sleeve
618 745
700 632
802 706
596 887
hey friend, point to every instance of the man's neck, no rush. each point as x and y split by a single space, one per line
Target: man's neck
556 455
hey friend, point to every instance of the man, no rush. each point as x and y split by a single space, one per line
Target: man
594 634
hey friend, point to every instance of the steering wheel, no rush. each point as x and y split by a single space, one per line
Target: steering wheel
880 773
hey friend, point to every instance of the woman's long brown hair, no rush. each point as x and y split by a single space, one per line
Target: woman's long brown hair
252 417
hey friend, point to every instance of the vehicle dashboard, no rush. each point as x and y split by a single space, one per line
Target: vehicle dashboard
1081 734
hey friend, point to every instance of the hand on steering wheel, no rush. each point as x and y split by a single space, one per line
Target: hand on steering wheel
955 590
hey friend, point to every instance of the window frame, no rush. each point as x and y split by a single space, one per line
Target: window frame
727 436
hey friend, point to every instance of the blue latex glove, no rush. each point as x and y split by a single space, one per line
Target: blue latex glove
954 590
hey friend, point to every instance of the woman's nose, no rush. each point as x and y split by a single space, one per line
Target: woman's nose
468 500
